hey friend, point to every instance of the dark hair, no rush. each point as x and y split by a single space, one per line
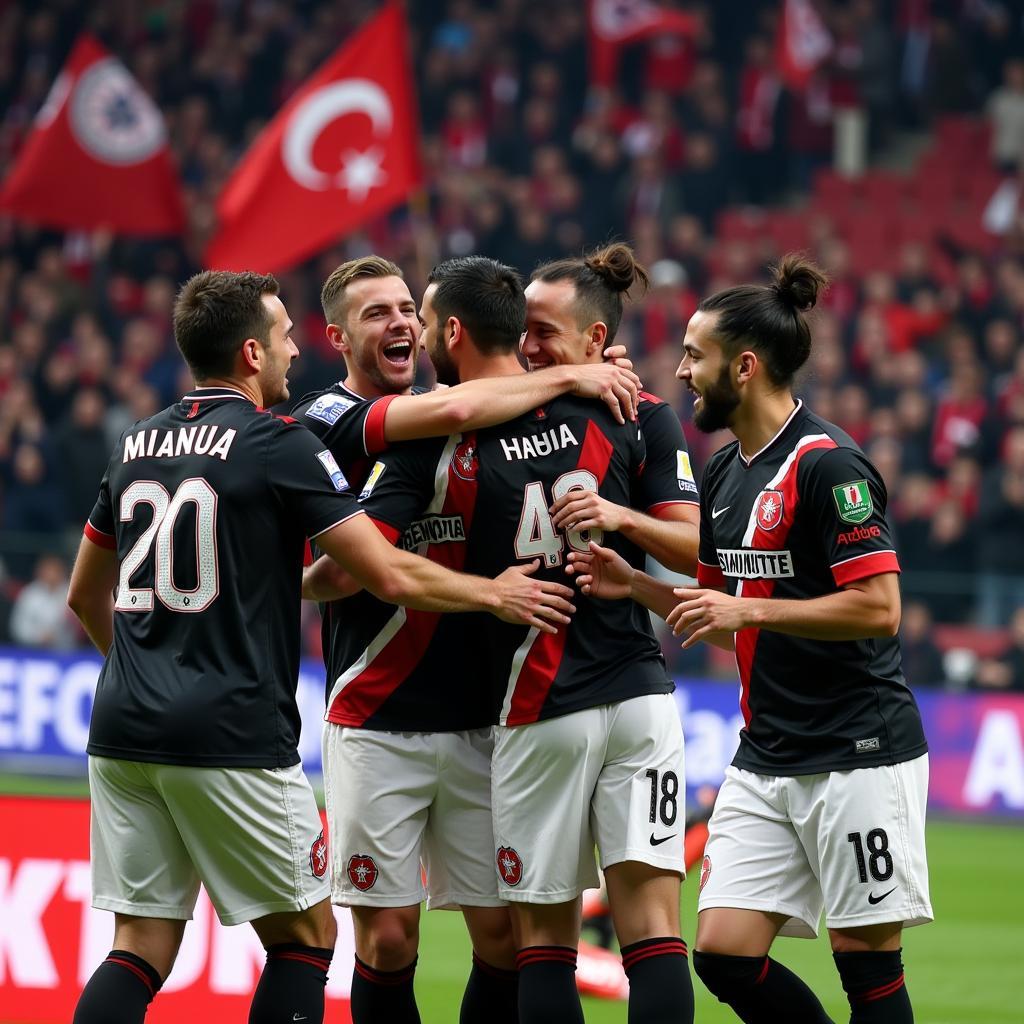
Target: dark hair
770 318
601 277
332 295
486 296
215 312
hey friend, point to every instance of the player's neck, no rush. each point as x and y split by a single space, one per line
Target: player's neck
476 367
756 423
249 388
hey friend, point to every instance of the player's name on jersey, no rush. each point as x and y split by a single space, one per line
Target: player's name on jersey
433 530
538 445
749 564
209 439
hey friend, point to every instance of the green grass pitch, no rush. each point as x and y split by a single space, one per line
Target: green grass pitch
960 969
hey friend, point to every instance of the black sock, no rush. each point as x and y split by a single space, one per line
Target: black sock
292 985
547 986
383 997
874 984
759 990
119 991
491 996
660 989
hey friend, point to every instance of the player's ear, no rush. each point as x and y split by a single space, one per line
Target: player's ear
746 364
252 354
597 333
453 331
336 336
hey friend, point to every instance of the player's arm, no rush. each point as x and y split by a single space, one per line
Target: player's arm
483 403
326 580
91 591
399 577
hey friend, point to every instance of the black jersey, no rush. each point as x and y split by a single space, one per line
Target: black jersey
209 504
508 476
667 476
800 519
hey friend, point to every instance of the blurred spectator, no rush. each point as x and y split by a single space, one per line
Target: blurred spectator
82 450
32 506
951 558
1005 673
1005 109
1001 535
40 616
922 659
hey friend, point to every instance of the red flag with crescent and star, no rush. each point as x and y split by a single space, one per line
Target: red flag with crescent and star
342 151
97 155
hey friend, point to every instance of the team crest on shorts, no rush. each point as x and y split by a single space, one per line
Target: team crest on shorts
465 462
318 856
705 871
769 509
510 867
362 872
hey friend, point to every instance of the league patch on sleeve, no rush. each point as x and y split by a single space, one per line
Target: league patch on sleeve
333 470
328 408
853 501
371 481
684 472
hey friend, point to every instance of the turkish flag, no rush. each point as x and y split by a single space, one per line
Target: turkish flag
614 23
802 44
97 155
341 151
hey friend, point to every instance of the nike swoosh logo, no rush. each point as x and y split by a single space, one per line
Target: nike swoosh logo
716 512
663 839
873 899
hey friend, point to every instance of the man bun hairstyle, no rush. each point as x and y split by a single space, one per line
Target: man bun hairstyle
601 278
771 319
487 298
215 312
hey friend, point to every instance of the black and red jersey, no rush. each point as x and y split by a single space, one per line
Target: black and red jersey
800 519
667 476
505 479
209 505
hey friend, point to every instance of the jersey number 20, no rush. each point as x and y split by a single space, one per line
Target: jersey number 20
161 531
537 536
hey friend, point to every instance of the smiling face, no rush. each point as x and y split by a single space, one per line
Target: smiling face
553 335
380 335
434 341
278 353
707 374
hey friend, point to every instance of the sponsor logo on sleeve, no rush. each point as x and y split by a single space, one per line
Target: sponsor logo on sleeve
328 408
333 470
684 472
371 481
859 533
853 501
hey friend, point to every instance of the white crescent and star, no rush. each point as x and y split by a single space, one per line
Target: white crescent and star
360 171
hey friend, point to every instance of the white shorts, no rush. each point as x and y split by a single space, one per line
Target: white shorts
851 843
252 836
396 800
611 775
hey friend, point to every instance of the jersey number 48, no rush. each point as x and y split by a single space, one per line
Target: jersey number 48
537 536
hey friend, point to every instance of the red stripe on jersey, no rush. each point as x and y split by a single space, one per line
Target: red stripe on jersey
710 575
770 540
656 510
364 694
104 540
374 440
541 665
307 556
860 567
646 396
387 529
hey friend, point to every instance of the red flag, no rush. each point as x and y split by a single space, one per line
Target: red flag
613 23
341 151
803 43
97 155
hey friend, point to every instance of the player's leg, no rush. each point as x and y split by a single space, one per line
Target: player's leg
638 821
142 872
459 860
756 881
542 779
379 788
875 877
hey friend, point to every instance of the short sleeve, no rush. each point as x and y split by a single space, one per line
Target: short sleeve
308 481
667 477
351 428
847 500
99 527
401 485
709 572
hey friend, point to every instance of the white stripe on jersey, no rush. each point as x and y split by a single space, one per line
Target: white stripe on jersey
517 666
395 623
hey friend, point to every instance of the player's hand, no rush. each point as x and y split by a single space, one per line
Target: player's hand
617 355
702 612
587 510
601 572
614 385
527 602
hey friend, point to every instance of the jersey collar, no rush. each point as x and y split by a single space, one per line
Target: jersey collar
785 426
213 394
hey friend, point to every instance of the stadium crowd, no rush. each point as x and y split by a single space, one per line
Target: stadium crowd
917 356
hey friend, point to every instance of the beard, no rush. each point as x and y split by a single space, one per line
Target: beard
718 403
445 368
